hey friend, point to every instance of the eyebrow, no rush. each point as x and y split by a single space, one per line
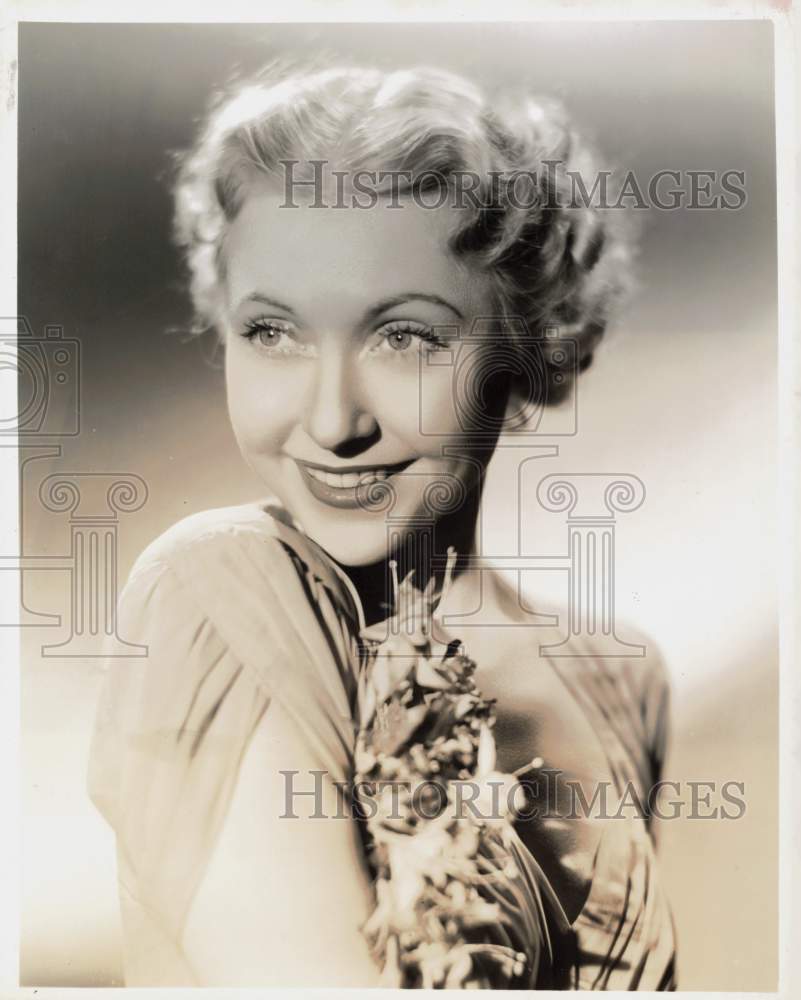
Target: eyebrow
266 300
398 300
373 312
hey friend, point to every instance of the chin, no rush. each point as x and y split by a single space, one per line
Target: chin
351 541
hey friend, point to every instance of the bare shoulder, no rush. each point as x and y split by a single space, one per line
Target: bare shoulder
536 631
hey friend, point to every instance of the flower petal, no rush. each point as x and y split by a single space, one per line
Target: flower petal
486 751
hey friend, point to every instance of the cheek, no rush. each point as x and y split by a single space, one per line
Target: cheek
411 405
263 401
444 399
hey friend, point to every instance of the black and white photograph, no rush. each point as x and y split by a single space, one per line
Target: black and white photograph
397 426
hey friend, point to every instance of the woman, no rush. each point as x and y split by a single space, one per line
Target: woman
350 232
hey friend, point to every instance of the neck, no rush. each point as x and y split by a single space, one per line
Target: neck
421 552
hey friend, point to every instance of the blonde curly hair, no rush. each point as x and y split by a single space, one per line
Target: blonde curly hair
554 263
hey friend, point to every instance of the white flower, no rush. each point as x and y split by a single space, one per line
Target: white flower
486 751
499 796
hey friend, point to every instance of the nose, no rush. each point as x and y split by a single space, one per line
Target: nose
335 415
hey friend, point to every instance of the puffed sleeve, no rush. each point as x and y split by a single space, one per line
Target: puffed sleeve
171 727
233 615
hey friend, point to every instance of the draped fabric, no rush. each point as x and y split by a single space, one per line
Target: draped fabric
238 608
624 932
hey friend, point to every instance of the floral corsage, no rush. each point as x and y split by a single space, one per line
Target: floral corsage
438 815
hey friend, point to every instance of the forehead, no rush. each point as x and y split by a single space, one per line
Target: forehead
351 254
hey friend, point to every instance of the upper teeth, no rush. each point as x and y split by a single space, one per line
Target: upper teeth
348 479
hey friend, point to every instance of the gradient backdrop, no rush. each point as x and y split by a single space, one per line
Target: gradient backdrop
682 394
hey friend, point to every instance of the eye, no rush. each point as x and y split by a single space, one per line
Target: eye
274 336
403 336
268 332
399 340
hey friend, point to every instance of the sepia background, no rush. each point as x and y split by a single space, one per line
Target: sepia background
681 394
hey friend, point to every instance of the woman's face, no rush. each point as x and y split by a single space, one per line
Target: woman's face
340 384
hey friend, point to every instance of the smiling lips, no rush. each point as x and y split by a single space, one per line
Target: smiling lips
341 489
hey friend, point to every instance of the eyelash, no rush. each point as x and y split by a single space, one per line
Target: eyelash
253 327
421 332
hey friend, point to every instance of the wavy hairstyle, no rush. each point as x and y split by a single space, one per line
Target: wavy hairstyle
553 262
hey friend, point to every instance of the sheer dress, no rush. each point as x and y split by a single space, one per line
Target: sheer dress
239 610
